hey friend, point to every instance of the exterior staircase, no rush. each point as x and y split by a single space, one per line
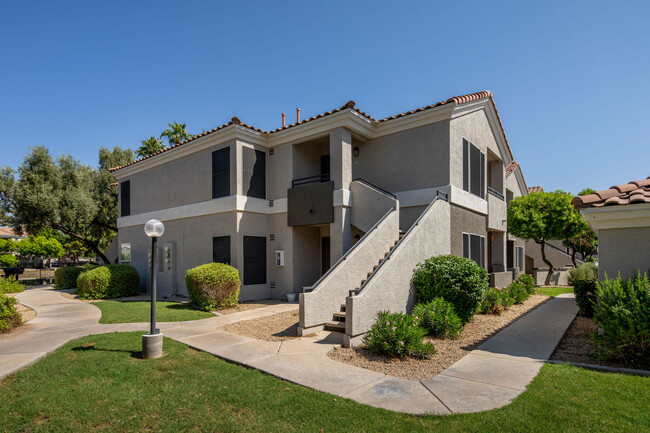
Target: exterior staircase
337 324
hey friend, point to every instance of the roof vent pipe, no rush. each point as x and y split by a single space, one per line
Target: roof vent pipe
298 115
283 120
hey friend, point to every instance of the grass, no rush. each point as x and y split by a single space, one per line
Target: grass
140 311
98 383
552 290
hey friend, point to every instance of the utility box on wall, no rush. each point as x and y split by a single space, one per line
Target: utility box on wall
279 258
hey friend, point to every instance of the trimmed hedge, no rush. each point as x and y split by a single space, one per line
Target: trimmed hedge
9 316
622 310
108 281
213 285
457 280
66 277
438 318
585 272
397 334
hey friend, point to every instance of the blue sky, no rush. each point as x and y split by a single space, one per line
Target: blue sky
570 79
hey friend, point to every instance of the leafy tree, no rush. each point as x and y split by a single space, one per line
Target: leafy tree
176 133
542 216
7 246
150 146
41 247
586 241
64 195
75 249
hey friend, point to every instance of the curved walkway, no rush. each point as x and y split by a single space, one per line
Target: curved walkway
487 378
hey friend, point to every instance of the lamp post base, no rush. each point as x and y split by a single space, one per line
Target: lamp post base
152 346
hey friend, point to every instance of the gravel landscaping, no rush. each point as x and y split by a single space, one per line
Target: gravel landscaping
448 351
578 347
278 327
248 305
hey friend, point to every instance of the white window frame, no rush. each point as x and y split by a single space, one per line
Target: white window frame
125 245
519 258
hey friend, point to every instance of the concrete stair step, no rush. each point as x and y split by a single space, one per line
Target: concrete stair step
340 316
343 306
335 326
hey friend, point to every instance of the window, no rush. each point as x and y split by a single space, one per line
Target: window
254 260
125 198
125 253
254 172
519 258
474 248
473 169
221 173
221 249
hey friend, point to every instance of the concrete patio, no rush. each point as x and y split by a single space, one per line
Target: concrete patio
489 377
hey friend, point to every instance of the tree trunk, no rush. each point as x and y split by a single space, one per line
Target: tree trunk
550 265
573 257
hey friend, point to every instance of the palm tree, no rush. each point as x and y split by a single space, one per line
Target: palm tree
150 146
176 133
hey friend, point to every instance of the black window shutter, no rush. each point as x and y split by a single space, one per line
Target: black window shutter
125 197
482 252
254 172
466 245
465 165
221 173
221 249
254 260
482 174
475 170
475 249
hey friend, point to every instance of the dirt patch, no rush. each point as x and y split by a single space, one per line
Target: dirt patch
578 347
26 313
278 327
248 305
448 351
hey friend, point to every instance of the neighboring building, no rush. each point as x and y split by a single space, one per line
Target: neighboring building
331 192
9 233
620 216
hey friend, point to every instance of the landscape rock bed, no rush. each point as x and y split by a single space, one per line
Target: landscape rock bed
482 327
278 327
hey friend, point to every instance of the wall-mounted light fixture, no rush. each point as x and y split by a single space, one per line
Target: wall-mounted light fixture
355 152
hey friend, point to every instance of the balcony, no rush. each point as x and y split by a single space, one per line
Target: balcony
497 213
310 201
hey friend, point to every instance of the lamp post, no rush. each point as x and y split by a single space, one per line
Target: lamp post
152 342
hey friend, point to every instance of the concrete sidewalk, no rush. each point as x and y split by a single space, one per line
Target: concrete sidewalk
489 377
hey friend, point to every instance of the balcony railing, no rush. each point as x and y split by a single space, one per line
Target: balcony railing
320 178
495 193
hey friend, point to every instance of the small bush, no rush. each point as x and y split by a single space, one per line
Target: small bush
397 334
586 272
66 277
622 310
9 316
8 285
438 318
215 285
493 301
517 292
457 280
8 261
108 281
585 292
528 282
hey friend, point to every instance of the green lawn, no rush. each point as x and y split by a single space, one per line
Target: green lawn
140 311
98 383
552 290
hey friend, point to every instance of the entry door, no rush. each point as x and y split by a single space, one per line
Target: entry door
325 254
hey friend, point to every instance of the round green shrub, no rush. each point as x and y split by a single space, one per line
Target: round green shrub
397 334
457 280
108 281
517 292
585 291
9 285
622 310
9 316
586 272
438 318
214 285
495 301
66 277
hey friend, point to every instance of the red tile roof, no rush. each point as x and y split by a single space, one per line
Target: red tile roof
634 192
8 232
348 105
535 189
511 167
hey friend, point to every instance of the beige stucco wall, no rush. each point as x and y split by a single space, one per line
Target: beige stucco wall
623 250
465 221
